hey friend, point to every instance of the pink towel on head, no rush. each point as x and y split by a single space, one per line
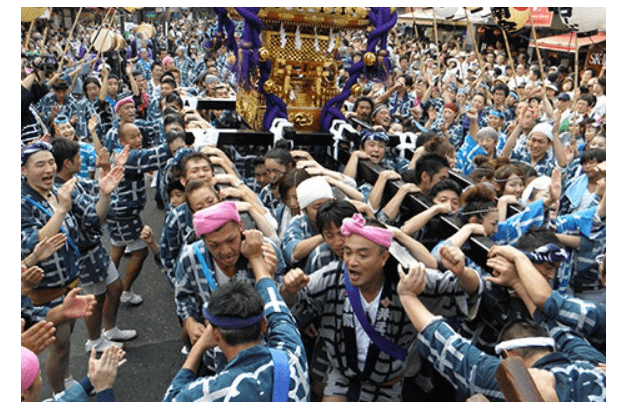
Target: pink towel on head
30 368
357 225
123 101
166 60
210 219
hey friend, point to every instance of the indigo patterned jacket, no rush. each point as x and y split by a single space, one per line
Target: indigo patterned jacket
471 371
249 376
192 287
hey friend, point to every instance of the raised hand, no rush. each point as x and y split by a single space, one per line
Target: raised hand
506 251
601 187
409 188
225 179
302 154
243 206
269 257
45 248
103 160
38 336
64 194
295 280
390 175
75 306
444 208
503 271
453 259
92 123
413 282
252 245
555 189
102 372
360 154
30 278
205 340
231 192
110 182
195 331
119 159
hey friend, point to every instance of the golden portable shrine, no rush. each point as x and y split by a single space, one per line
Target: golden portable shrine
301 46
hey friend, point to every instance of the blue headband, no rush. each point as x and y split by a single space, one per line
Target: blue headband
61 119
230 323
514 95
374 135
497 113
547 253
34 147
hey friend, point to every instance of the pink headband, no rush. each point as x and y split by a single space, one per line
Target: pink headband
30 368
166 60
210 219
357 224
121 102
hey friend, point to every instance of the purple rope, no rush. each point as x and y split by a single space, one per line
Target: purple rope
383 20
331 109
250 41
226 24
275 107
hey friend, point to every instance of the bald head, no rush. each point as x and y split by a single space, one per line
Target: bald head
130 135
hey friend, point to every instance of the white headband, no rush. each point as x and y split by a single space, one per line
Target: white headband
525 342
540 183
311 190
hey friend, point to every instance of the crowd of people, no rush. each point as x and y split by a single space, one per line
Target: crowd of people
295 279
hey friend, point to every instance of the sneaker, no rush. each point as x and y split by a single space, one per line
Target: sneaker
116 334
101 344
130 297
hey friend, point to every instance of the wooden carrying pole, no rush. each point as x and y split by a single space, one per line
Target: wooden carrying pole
105 24
511 60
474 43
535 40
28 34
91 46
576 69
45 34
437 49
69 38
413 19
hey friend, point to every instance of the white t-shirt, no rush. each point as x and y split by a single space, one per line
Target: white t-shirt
585 200
221 277
363 341
599 109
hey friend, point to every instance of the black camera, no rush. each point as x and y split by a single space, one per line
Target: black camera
47 64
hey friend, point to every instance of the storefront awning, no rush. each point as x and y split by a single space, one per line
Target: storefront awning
425 16
566 42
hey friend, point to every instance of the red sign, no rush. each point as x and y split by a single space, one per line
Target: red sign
595 58
541 16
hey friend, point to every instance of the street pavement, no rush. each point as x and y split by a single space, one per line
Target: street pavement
154 356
